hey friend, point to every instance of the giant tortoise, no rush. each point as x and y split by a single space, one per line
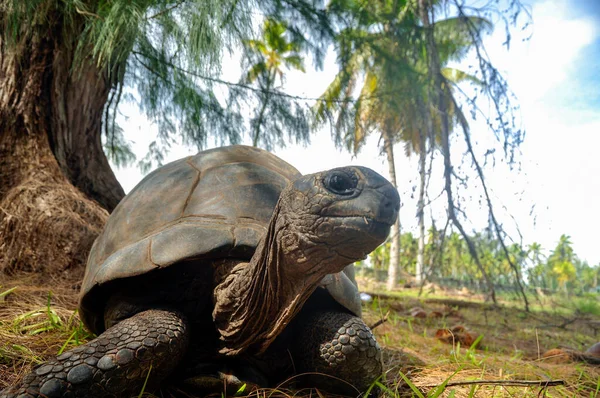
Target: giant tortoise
230 266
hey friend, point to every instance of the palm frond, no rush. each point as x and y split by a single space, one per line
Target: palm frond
455 76
294 62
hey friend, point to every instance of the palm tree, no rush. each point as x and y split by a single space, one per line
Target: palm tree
393 98
419 141
455 252
271 55
356 119
561 262
537 276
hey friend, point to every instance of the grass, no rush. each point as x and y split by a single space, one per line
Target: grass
507 344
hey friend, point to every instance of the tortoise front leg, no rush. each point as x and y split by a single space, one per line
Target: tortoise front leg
116 363
336 345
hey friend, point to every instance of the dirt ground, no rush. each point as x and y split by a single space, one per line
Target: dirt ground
437 340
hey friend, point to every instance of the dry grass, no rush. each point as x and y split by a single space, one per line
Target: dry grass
33 328
511 348
47 225
35 322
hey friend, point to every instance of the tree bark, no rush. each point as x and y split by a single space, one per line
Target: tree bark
394 267
78 99
73 102
75 134
50 120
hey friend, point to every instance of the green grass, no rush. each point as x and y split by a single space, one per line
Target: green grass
507 345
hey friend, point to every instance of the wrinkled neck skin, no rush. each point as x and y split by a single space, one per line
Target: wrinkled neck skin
257 300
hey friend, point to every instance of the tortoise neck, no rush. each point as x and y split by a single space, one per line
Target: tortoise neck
258 299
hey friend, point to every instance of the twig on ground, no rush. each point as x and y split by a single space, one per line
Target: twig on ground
380 322
513 383
563 325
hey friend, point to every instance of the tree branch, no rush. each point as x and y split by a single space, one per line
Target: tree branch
261 90
439 91
465 128
166 10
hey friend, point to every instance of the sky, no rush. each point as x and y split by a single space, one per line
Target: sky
555 75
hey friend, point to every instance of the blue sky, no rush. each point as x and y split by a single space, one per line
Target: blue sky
556 77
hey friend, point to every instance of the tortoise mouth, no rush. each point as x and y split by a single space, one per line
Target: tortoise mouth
356 236
366 219
366 229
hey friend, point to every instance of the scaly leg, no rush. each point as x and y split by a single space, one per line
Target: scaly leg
336 344
116 363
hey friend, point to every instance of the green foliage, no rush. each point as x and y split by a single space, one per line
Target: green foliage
450 262
141 394
116 148
10 351
384 53
411 385
241 390
267 60
108 31
165 55
589 304
380 257
46 319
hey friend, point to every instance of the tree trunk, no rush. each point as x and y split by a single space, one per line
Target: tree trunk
394 267
50 120
439 96
75 136
421 208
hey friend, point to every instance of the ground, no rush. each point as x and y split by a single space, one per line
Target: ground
37 322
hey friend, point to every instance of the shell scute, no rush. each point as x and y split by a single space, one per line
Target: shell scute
216 203
190 240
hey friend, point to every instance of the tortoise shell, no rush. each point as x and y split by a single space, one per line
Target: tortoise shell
215 204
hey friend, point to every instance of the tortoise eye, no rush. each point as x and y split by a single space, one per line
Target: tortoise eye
340 183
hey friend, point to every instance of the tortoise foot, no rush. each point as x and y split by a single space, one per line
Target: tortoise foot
338 351
116 363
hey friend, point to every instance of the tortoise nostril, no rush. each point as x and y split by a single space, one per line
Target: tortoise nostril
389 209
391 203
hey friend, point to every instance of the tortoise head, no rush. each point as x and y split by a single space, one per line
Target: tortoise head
322 222
335 217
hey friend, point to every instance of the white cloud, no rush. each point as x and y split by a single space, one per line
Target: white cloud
536 66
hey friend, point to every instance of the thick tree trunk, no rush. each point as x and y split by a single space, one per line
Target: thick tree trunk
75 134
394 267
50 119
73 102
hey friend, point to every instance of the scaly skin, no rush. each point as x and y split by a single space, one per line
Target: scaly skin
339 345
115 364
